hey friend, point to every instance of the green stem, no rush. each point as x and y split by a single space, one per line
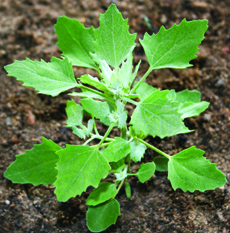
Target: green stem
154 148
142 79
106 134
120 185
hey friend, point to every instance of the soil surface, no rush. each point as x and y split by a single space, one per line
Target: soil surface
26 30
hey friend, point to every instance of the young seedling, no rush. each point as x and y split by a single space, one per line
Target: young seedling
108 50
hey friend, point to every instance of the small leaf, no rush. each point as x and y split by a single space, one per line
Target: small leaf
190 171
175 47
98 109
116 150
118 166
157 116
127 189
122 114
102 216
78 168
79 132
76 42
36 166
113 40
87 94
93 81
137 150
161 163
146 171
102 193
74 113
50 78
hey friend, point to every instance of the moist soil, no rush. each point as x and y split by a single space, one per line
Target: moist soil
26 30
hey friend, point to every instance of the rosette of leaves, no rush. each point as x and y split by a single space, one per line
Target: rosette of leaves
108 50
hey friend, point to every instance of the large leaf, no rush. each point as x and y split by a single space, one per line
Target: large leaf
98 109
75 41
113 40
74 113
102 193
175 47
146 171
50 78
116 150
102 216
157 116
36 166
78 168
190 171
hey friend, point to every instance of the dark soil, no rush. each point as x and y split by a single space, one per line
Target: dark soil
26 30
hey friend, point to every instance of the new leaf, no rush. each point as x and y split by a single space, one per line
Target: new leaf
36 166
50 78
78 168
190 171
175 47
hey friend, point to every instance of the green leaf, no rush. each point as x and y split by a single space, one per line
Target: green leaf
190 104
157 116
122 76
137 150
116 150
102 216
118 166
188 96
190 109
175 47
98 109
93 81
76 42
113 40
78 168
36 166
127 189
145 90
122 114
74 113
50 78
161 163
79 132
190 171
87 94
102 193
146 171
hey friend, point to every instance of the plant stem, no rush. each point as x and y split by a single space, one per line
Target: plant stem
154 148
142 79
106 134
120 185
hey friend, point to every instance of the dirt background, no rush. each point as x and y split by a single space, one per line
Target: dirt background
26 30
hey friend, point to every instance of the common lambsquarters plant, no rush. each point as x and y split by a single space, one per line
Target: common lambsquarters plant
108 50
